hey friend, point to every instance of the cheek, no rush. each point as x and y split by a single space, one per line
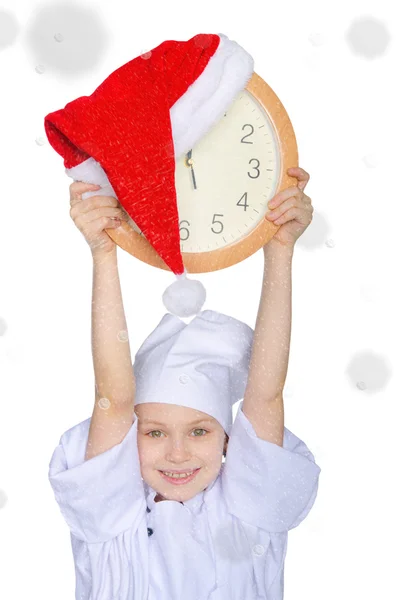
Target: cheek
147 452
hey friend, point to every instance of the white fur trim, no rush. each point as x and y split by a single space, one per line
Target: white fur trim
202 105
194 114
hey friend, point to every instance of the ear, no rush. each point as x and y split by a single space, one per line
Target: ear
225 444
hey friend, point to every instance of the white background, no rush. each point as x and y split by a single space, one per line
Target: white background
333 66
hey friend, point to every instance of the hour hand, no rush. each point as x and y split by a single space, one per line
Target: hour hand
189 162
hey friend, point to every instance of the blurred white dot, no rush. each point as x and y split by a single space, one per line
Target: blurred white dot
40 141
370 160
368 37
122 336
58 37
3 499
3 326
317 39
40 69
145 54
104 403
14 353
370 371
330 243
368 291
9 29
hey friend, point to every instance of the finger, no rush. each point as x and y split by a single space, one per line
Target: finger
284 195
88 204
97 213
77 188
292 202
301 175
289 215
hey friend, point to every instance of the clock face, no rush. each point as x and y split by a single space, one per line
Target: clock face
224 183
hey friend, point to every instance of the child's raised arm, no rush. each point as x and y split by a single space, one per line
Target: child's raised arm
113 412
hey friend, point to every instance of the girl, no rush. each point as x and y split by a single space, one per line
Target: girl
153 511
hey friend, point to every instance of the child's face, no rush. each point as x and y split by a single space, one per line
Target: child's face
177 438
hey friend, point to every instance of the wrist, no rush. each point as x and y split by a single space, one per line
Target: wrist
278 252
100 258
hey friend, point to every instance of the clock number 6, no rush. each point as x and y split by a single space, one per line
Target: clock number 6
185 229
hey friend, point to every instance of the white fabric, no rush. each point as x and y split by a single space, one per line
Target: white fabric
202 365
228 542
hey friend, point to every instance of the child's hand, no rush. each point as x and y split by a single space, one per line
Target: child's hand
94 214
291 209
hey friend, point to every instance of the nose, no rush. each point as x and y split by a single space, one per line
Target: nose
177 451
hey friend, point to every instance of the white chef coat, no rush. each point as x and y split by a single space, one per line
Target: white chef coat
228 542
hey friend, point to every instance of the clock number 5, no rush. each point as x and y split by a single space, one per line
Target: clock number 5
220 223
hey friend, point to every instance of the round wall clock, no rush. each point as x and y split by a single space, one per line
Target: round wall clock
224 183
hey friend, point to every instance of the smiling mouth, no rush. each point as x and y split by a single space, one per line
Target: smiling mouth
179 478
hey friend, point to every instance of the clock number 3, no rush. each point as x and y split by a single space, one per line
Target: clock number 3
243 141
255 168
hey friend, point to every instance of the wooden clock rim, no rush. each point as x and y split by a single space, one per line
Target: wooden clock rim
204 262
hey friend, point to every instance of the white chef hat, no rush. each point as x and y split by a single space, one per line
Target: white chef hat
202 365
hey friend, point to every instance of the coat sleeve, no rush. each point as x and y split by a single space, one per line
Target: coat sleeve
101 497
266 485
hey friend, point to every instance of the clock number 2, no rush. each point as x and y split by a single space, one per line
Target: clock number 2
248 134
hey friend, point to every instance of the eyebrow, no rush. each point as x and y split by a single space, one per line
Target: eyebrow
150 422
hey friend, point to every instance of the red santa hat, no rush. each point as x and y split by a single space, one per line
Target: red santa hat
128 134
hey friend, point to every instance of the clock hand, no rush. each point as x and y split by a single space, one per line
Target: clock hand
189 161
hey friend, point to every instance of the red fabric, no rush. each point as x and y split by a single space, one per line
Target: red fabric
125 125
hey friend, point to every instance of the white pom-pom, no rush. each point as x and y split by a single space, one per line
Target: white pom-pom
184 297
